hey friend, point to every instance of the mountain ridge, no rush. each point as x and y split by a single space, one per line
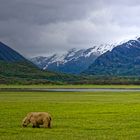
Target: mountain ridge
73 61
8 54
15 69
123 60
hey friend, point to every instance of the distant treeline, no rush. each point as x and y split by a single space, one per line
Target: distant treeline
109 80
74 80
27 73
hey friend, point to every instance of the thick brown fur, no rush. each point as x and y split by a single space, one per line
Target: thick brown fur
37 119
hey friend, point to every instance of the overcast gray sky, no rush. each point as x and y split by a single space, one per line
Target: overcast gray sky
42 27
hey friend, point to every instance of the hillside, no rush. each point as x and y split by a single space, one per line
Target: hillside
8 54
14 68
27 73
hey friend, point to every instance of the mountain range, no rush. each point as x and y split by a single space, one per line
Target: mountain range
99 65
123 60
74 61
16 69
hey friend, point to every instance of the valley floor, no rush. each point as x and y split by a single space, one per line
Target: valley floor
76 115
70 86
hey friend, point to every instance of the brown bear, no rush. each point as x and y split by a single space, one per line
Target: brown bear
37 119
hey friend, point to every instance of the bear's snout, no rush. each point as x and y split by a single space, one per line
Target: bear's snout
23 125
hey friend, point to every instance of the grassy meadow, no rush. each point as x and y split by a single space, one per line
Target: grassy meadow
76 116
69 86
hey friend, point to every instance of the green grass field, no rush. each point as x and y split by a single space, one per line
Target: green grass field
69 86
76 116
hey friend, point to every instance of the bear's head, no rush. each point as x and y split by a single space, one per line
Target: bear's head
25 122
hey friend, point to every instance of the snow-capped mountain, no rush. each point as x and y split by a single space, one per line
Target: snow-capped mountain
124 59
74 61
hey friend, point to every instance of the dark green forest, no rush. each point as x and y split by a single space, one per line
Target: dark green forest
28 73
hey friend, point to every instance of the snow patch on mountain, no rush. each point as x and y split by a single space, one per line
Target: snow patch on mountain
72 56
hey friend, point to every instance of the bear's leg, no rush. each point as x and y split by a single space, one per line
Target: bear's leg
49 124
33 126
38 126
45 124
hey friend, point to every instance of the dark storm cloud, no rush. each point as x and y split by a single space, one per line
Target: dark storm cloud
41 27
45 11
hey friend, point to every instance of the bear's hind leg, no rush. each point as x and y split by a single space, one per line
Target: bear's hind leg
49 124
45 124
